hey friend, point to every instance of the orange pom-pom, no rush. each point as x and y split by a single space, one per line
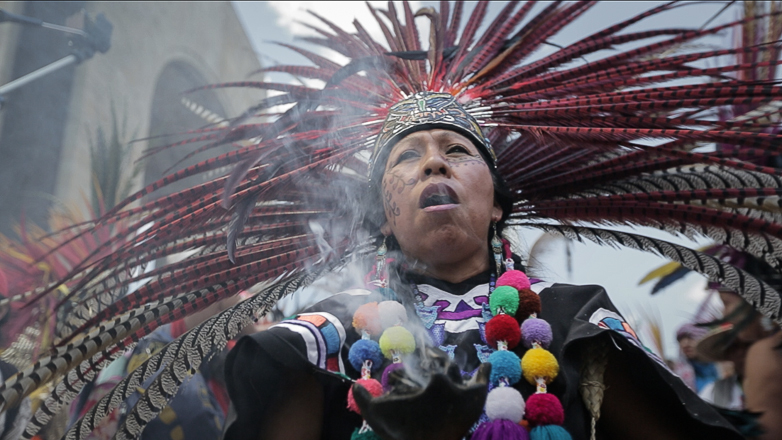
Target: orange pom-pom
367 318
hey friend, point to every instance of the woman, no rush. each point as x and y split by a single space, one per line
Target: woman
694 371
441 198
567 138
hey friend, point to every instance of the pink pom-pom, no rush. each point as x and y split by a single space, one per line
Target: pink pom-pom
372 385
544 409
503 328
514 278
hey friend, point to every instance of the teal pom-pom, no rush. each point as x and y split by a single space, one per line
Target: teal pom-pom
505 363
366 435
362 350
506 297
549 432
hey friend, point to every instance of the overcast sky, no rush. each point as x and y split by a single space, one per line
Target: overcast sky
619 271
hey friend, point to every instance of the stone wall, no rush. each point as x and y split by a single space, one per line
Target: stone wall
205 39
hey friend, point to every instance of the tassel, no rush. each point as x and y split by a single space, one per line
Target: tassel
500 430
365 435
549 432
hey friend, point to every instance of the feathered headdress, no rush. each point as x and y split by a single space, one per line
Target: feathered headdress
571 140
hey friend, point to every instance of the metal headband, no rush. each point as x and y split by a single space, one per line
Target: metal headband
426 111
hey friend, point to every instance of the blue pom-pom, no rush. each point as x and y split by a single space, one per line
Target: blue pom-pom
549 432
505 363
365 349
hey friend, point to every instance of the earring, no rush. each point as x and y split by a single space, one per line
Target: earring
496 247
508 261
380 261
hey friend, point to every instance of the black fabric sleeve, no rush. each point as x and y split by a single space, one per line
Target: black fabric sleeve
569 310
256 374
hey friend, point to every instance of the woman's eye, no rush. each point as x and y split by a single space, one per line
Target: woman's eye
409 154
458 149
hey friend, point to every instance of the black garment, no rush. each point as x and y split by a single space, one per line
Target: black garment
258 361
568 309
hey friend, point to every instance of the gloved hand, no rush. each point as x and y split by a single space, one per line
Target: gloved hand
445 409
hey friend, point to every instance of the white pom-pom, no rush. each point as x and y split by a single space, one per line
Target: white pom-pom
391 313
505 403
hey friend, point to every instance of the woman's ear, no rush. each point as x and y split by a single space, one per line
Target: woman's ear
386 229
496 212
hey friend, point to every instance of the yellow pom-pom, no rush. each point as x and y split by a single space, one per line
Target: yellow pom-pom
539 362
396 338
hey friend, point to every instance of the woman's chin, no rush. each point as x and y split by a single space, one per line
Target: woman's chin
444 245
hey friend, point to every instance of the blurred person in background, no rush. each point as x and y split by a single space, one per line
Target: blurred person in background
694 370
763 383
751 343
728 341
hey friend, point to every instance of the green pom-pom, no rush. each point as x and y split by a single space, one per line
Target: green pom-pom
397 338
366 435
506 297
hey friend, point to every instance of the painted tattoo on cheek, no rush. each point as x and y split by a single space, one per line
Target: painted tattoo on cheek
394 184
389 205
466 161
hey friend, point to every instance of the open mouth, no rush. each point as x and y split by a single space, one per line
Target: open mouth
437 194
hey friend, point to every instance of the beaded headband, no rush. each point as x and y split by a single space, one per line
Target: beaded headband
425 111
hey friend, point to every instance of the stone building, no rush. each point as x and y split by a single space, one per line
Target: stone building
158 50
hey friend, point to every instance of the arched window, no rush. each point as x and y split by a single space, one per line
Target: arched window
169 116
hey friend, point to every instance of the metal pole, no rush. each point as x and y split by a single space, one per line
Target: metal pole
70 30
43 71
16 18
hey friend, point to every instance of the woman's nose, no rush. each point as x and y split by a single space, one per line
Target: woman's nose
435 164
433 170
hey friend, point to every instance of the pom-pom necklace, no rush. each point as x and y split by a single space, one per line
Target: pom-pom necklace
511 317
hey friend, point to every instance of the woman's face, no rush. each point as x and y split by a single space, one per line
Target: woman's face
438 197
687 344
